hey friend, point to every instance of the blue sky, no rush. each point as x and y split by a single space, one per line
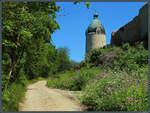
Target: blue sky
74 20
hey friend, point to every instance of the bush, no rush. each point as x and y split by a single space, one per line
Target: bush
127 57
93 56
131 58
80 65
122 86
81 80
102 56
12 96
74 81
118 92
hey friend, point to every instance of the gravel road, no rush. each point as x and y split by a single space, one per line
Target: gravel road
41 98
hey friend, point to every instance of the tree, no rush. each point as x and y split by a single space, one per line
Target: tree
63 59
26 27
73 64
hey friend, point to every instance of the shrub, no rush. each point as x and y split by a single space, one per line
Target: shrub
122 86
131 58
127 57
74 81
12 96
118 92
93 56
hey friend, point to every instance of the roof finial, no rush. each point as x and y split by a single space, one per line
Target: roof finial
95 15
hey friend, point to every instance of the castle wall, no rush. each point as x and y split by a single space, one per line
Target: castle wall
94 40
143 16
134 31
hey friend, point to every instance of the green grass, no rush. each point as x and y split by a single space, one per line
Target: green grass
12 96
119 84
15 93
118 92
107 90
73 80
35 80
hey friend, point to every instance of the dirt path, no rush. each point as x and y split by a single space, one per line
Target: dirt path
41 98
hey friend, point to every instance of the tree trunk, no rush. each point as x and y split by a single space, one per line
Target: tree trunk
11 67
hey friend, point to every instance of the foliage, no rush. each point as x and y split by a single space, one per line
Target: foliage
63 59
121 86
24 35
73 64
15 93
131 58
118 92
88 5
127 57
12 96
73 80
80 65
28 54
27 49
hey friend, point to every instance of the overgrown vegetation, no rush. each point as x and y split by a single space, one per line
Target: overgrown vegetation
73 80
117 92
27 49
28 53
111 78
15 93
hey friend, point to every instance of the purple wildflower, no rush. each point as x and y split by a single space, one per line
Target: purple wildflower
109 89
130 81
129 98
137 81
112 89
145 86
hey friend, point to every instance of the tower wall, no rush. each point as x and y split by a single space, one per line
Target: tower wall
94 40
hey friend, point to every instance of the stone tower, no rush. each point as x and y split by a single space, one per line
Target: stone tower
95 35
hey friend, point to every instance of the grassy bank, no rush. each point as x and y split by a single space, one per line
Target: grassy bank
15 93
73 80
117 92
111 79
12 96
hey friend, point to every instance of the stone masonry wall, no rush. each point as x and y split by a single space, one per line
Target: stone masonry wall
95 40
134 31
